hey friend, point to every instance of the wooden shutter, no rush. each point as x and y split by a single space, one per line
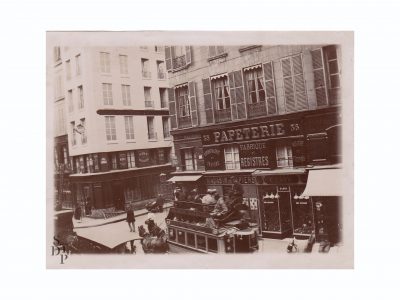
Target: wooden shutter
319 77
238 102
288 84
208 101
172 109
168 58
193 103
298 79
188 55
270 88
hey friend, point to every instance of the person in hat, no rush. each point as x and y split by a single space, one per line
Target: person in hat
209 198
130 218
220 208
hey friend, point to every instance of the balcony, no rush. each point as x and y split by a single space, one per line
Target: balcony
223 115
185 122
161 75
148 104
152 136
256 109
146 74
179 62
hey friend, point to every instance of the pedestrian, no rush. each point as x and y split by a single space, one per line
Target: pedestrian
130 218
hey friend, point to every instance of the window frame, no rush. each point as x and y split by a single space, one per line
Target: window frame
129 128
105 62
126 94
111 130
288 155
188 155
81 103
234 163
107 93
130 158
258 78
182 97
222 84
78 64
123 64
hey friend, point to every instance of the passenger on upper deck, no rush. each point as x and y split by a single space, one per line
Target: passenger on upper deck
220 208
209 198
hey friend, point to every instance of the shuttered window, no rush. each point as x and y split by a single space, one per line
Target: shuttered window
208 101
215 51
172 109
239 110
182 96
270 88
319 77
293 82
177 57
221 92
193 103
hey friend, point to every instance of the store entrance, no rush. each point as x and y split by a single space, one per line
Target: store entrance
118 196
327 219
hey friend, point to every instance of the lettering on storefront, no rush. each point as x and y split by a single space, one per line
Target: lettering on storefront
251 133
213 158
256 155
283 188
215 180
144 156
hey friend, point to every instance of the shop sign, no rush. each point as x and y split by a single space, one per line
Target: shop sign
256 155
216 180
214 158
283 188
144 156
299 157
256 132
123 163
281 179
104 163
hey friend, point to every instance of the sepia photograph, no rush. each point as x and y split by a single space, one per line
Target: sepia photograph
234 150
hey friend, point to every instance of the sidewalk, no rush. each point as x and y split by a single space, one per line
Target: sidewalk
90 222
280 246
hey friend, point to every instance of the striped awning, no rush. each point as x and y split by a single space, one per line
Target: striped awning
181 85
218 76
252 68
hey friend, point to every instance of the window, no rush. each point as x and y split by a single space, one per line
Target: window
58 88
107 94
123 64
68 68
78 64
105 62
111 133
65 155
150 128
147 97
163 98
161 70
89 163
221 92
293 83
190 162
177 57
130 156
73 133
129 128
255 85
83 133
126 94
81 100
114 164
182 96
57 54
145 68
70 101
215 51
333 67
284 157
165 121
232 160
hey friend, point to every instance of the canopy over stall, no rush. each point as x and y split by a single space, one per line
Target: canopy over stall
324 183
184 178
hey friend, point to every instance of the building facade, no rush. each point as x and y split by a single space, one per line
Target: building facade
260 115
117 124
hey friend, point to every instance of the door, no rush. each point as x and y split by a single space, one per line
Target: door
98 196
118 196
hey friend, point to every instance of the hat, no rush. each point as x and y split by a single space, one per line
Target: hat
211 191
150 216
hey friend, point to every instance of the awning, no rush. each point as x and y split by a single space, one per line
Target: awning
324 182
279 172
109 235
251 68
218 76
184 178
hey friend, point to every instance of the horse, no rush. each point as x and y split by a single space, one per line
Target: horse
156 243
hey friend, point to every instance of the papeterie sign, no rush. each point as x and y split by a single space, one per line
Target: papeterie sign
262 131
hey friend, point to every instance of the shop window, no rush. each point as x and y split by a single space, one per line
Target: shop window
130 156
96 165
303 221
89 164
212 245
317 147
190 162
284 156
270 212
201 242
232 160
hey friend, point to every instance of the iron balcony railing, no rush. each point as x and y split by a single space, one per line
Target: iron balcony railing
256 109
223 115
148 103
152 135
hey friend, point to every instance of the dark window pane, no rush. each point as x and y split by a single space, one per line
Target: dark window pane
331 52
212 245
228 102
261 95
201 242
181 237
190 240
333 67
335 81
